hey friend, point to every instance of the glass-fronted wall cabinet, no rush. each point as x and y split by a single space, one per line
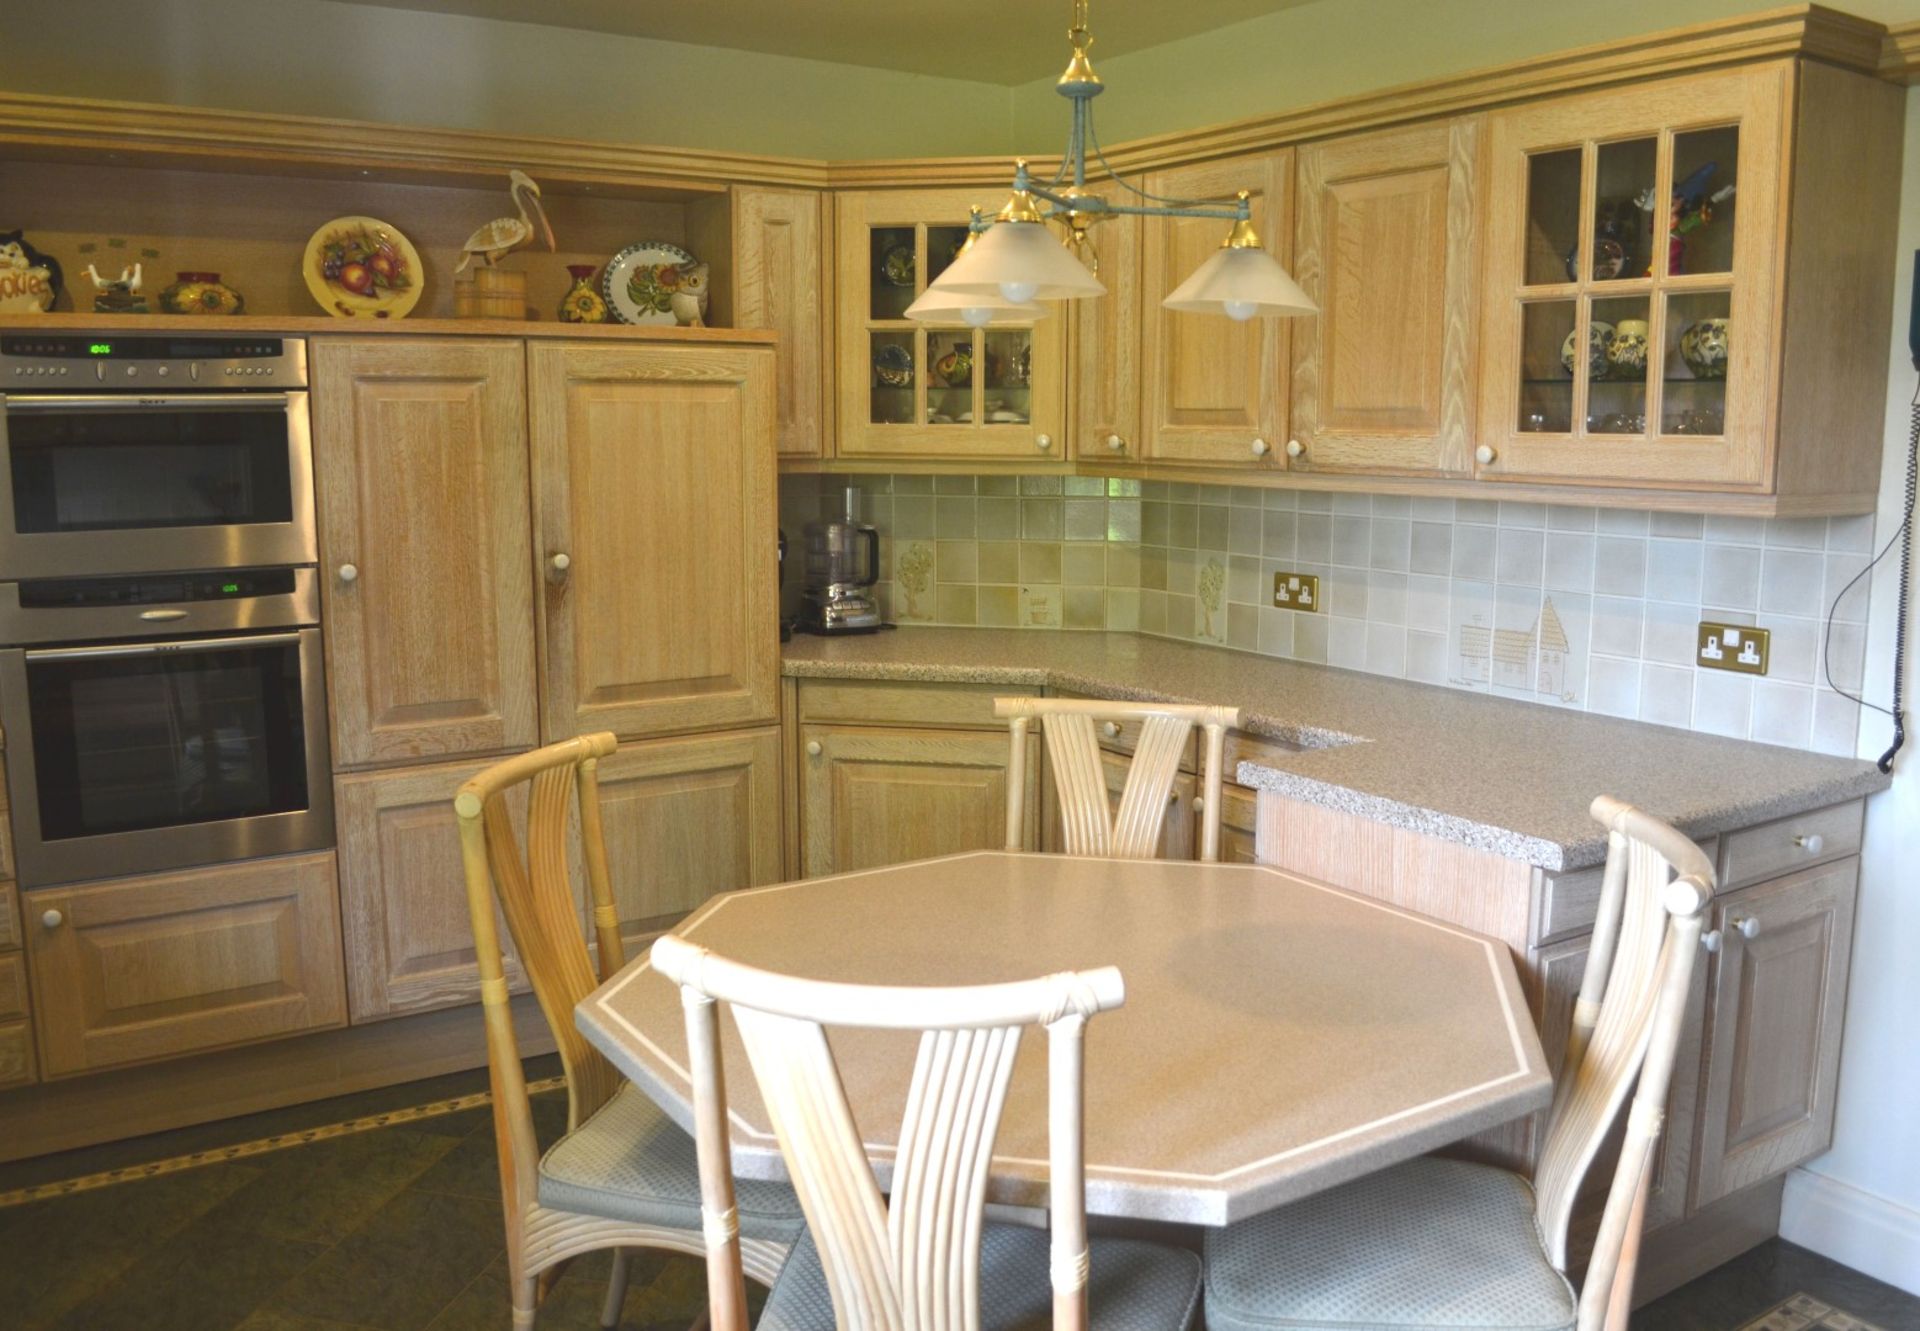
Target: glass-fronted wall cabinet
1633 292
910 390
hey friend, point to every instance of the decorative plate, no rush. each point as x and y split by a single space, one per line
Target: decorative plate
361 267
642 280
896 266
893 365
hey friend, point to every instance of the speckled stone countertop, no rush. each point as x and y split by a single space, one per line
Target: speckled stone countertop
1511 777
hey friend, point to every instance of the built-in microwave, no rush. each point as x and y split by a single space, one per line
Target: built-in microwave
153 454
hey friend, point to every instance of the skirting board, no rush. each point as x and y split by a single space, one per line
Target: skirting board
1853 1227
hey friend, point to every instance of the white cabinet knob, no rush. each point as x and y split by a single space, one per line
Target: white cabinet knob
1812 842
1116 443
52 919
560 563
1261 448
348 573
1111 729
813 748
1295 448
1484 454
1746 926
1710 940
1043 442
1199 803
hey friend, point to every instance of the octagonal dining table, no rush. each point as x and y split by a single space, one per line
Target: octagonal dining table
1279 1036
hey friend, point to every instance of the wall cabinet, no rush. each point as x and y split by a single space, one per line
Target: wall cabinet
908 390
1387 244
780 281
420 456
143 968
1214 390
1106 347
653 486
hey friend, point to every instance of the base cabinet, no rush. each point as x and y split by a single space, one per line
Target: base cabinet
144 968
1179 831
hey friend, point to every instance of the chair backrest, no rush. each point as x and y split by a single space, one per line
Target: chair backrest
536 897
1090 825
916 1262
1626 1027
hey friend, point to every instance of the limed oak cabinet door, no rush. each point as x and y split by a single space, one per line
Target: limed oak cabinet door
653 479
1387 245
1213 386
144 968
780 264
1179 830
420 451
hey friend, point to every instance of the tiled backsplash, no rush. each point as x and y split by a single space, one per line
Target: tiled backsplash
1593 609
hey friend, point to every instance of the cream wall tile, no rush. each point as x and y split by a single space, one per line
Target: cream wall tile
1619 566
1723 703
954 517
1782 714
1277 533
1570 561
1083 563
1086 608
1276 632
1730 577
958 605
1673 570
1666 695
1352 540
1790 581
1430 547
1391 545
1386 650
1386 597
1039 561
1427 657
1041 519
1613 686
1347 644
1123 609
1522 556
1086 520
999 561
1474 552
1616 626
957 561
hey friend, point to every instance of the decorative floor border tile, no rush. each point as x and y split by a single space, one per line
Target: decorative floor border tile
1803 1312
279 1142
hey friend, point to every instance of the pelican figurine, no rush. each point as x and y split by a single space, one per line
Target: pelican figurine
503 235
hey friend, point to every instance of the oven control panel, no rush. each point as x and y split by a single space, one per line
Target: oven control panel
108 362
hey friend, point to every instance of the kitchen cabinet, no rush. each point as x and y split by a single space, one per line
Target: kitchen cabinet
137 969
1773 1048
1633 338
871 795
912 391
1386 243
1179 833
1215 390
1106 346
653 490
420 459
780 281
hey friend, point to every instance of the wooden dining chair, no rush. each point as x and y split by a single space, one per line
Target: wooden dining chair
1437 1242
926 1259
624 1175
1089 822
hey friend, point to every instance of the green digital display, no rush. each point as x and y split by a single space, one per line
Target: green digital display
230 588
100 349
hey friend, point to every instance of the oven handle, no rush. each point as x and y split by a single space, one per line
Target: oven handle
25 402
163 648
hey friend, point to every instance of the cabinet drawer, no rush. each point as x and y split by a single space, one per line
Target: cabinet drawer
13 986
1120 736
1568 903
9 917
881 702
1791 844
16 1054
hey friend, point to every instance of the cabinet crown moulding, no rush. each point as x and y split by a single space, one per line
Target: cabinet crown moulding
84 129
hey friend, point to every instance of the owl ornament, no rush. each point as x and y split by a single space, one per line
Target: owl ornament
688 300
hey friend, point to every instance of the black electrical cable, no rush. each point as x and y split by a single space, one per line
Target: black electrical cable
1903 534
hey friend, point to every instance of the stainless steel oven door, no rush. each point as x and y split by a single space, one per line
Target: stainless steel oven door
125 483
134 757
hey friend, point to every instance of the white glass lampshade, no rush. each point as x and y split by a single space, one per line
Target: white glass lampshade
1020 262
1241 283
975 309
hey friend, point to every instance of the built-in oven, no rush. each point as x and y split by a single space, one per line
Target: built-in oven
157 721
153 453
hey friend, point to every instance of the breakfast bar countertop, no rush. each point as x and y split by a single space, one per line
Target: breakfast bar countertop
1510 777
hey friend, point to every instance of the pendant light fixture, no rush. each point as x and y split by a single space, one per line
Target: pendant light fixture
941 304
1018 258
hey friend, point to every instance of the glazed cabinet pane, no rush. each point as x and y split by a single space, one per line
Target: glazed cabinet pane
1214 386
1387 246
420 458
916 391
1632 302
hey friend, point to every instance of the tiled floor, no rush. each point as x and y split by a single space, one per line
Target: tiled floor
399 1229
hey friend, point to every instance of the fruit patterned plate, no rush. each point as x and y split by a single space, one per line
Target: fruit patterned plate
642 280
361 267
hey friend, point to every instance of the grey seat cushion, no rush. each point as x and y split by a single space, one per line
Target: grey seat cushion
631 1162
1134 1286
1430 1244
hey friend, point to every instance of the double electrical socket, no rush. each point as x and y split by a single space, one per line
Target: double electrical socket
1296 591
1737 647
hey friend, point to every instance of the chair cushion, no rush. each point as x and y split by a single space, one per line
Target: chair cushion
631 1162
1429 1244
1135 1285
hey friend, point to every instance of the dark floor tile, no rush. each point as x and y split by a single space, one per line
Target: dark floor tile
56 1254
1732 1295
664 1290
208 1277
278 1319
405 1264
322 1192
470 1169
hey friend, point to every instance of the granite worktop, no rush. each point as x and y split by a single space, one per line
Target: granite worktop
1511 777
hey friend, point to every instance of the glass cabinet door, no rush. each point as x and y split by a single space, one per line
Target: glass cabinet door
1631 296
929 390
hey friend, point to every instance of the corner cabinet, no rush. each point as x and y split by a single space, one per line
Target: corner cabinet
653 496
780 279
1675 288
1214 390
912 391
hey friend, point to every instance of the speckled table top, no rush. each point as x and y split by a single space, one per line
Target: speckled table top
1511 777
